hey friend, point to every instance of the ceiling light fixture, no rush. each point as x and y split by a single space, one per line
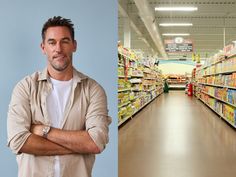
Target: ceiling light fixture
175 24
176 8
175 34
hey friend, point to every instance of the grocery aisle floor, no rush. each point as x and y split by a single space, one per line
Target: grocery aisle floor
177 136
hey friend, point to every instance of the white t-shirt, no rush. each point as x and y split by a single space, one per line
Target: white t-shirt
56 103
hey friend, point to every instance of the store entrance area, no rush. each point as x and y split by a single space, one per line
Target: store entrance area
177 136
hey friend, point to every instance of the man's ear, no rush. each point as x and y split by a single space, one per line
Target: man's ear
42 48
75 45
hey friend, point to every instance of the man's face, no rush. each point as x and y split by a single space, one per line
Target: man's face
58 46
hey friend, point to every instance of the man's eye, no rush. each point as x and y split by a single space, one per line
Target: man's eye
51 43
65 42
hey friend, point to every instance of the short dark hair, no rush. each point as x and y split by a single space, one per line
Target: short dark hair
58 21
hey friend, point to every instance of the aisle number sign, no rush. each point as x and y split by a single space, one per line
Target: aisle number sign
177 45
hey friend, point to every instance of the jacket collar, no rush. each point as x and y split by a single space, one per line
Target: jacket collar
77 76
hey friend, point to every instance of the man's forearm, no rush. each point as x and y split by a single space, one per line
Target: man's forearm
40 146
77 141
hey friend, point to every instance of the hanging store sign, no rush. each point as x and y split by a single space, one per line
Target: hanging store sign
176 45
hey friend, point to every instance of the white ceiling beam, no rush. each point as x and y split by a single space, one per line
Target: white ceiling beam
124 14
148 18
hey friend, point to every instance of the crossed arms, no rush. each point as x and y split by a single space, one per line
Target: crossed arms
58 142
25 136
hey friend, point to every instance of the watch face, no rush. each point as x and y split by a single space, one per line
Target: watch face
46 129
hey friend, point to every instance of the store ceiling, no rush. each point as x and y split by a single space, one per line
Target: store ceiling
211 21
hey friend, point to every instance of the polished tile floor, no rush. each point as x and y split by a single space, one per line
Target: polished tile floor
177 136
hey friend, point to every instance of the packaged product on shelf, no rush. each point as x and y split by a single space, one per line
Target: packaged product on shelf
229 113
234 79
129 111
123 97
218 80
218 68
121 71
129 71
219 108
224 94
234 64
122 112
137 83
234 97
136 104
131 95
231 64
229 96
123 84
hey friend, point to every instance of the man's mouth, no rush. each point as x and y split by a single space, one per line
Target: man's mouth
58 56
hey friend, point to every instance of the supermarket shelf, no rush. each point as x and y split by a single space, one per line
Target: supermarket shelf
120 64
124 77
136 90
136 76
132 59
121 76
219 99
225 72
136 98
148 72
147 66
136 82
210 107
150 78
126 118
150 90
229 121
219 61
233 55
148 84
218 113
123 90
223 86
212 64
124 104
177 86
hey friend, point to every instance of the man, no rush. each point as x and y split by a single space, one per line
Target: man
58 118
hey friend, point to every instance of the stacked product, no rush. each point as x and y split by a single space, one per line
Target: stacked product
139 82
217 82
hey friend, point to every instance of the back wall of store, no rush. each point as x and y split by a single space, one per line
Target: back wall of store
176 67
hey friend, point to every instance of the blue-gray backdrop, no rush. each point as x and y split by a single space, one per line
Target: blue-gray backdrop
20 55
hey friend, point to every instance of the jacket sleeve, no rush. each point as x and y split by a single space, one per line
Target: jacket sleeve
97 119
19 117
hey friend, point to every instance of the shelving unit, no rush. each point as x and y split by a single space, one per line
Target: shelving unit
216 86
177 81
139 82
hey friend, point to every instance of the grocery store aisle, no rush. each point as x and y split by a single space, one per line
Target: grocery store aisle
177 136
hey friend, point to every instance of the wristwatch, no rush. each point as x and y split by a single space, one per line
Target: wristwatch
45 131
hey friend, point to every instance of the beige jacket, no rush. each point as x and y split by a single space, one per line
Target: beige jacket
86 110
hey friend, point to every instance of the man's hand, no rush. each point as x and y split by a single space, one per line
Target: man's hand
76 141
37 129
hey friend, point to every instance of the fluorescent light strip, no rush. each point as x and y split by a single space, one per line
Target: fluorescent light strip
176 8
175 34
175 24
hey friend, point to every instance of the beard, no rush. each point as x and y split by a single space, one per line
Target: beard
61 65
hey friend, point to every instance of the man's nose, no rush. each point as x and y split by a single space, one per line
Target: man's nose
58 47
